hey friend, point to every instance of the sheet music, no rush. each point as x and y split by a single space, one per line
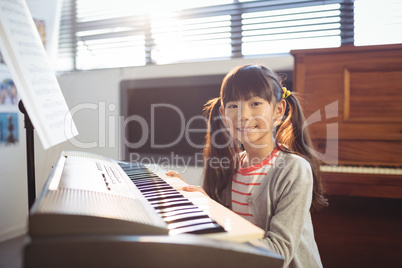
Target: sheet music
36 82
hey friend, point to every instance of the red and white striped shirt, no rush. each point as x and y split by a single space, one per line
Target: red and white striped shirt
246 181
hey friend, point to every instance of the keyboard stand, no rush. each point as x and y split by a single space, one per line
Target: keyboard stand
146 251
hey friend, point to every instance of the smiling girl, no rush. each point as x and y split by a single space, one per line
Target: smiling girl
275 181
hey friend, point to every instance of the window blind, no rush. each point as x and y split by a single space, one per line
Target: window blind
120 33
378 22
281 30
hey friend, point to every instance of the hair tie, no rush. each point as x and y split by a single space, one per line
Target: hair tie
286 93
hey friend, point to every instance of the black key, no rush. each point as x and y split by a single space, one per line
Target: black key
154 184
158 193
164 196
168 200
199 229
175 209
185 217
173 205
181 212
187 223
155 189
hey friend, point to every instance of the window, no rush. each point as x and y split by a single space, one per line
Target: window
120 33
280 30
190 39
378 22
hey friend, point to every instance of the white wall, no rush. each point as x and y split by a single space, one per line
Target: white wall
95 90
13 178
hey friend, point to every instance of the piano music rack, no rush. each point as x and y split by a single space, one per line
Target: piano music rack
30 155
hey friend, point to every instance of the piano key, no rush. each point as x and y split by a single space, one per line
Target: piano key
164 196
361 169
146 185
173 205
151 183
139 177
128 169
181 212
173 209
198 229
185 219
148 179
168 200
189 223
186 216
161 192
136 173
155 189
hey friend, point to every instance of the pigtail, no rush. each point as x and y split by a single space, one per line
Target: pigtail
220 153
296 137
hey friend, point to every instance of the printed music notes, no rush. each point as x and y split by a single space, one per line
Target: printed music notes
25 56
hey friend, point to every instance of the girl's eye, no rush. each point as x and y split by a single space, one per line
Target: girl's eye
232 106
256 103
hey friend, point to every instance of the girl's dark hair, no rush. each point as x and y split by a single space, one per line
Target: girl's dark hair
221 152
243 83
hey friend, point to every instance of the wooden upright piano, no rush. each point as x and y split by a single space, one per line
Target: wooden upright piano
352 99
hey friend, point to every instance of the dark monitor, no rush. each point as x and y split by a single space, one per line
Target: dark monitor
164 121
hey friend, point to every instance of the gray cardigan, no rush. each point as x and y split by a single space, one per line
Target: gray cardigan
282 208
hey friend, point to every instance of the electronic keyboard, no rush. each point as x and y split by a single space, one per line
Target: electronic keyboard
89 194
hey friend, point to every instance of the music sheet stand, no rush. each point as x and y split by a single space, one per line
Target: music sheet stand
30 155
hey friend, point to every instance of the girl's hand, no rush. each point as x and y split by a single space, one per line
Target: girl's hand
172 173
194 188
188 188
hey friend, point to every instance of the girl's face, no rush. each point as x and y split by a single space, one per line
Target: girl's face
252 121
